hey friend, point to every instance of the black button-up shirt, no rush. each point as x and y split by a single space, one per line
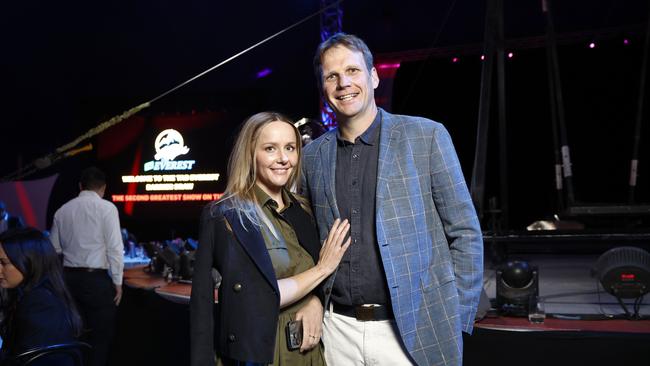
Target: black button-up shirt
360 278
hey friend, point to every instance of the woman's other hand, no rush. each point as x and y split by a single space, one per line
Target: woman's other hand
312 323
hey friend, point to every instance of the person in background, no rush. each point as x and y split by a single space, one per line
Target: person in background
7 221
262 240
15 222
87 231
4 217
37 309
411 281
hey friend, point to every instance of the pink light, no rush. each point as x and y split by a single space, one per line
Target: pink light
482 57
592 45
389 66
510 54
626 41
454 60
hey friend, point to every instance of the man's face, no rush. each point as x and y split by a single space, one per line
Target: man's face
348 85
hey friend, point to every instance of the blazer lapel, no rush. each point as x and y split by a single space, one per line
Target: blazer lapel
253 243
328 163
388 140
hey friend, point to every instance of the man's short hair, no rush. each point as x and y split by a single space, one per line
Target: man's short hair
348 41
92 178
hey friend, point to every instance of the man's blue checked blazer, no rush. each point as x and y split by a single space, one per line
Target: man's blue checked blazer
428 233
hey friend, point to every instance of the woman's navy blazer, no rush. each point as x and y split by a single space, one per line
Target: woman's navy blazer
242 325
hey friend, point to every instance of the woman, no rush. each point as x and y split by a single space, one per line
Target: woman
262 240
37 309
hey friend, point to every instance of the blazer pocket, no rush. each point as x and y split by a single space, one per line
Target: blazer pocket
436 276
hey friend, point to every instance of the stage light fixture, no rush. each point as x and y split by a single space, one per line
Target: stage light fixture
624 272
187 259
172 260
151 249
517 282
309 129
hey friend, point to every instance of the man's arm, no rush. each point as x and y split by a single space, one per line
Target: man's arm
114 250
461 225
311 313
303 189
54 235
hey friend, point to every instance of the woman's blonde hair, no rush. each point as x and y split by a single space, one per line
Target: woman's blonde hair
242 169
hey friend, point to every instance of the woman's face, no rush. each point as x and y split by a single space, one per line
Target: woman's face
275 156
10 276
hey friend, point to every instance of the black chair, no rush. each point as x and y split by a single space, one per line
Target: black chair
64 353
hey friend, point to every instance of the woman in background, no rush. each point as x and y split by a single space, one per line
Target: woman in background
262 239
37 309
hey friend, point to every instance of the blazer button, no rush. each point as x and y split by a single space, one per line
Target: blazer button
237 287
231 338
328 291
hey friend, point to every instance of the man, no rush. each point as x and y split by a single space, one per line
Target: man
87 231
411 280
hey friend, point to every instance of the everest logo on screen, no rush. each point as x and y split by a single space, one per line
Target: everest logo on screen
169 145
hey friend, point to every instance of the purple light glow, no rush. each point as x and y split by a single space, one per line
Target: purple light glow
626 41
592 45
510 54
454 60
482 57
264 73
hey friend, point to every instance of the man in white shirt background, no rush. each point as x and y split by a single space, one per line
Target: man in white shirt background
86 230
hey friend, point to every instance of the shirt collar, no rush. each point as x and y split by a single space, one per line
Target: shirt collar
87 192
368 137
265 200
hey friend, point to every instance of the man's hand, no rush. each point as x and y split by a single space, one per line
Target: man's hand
312 323
118 294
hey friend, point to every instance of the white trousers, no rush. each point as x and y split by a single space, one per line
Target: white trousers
348 341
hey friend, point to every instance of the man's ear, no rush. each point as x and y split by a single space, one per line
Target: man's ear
375 78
